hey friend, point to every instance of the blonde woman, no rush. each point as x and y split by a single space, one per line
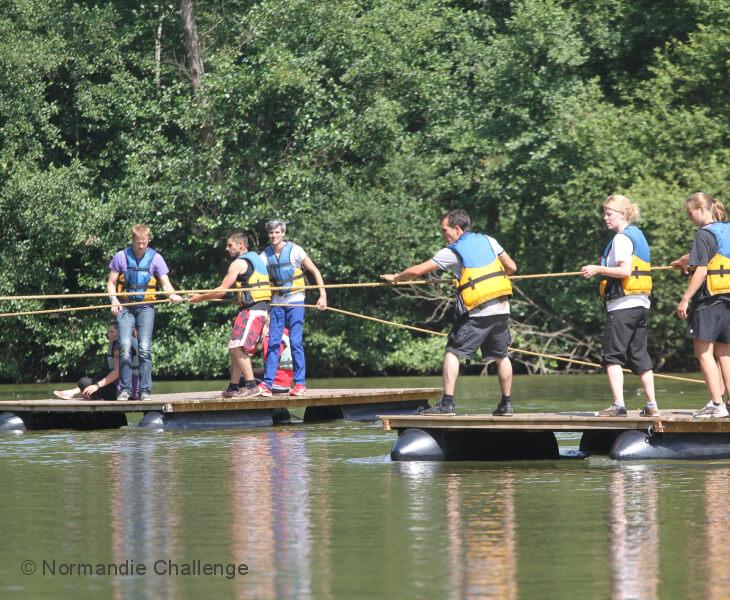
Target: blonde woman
705 304
625 285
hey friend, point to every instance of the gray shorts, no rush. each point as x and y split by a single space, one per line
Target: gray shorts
491 334
710 324
625 340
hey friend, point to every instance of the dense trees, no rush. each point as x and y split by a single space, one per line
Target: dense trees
359 123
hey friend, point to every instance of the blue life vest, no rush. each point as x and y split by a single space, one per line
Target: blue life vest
482 274
639 282
138 277
254 288
718 269
281 271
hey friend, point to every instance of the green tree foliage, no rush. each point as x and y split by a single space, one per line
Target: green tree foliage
359 123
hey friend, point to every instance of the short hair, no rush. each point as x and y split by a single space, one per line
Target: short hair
274 223
140 230
238 236
458 217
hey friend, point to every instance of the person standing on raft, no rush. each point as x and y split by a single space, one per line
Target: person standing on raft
248 272
705 304
138 268
625 285
481 267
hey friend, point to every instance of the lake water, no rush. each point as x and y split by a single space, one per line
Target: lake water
320 511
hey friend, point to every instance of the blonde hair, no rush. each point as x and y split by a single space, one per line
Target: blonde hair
623 205
140 230
702 200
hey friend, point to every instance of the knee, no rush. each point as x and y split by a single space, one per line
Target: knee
144 352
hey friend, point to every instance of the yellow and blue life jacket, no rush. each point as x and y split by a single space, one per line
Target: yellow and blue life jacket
482 274
137 277
254 288
281 271
639 282
718 269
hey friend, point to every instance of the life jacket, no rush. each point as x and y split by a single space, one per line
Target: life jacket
639 282
255 287
281 271
137 277
115 346
482 274
718 269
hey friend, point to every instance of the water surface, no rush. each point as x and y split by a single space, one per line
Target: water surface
320 511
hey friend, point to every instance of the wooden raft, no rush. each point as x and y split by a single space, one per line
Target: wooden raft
212 401
670 421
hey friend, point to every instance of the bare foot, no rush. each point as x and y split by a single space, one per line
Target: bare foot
63 395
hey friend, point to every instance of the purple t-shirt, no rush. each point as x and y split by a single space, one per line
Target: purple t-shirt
158 266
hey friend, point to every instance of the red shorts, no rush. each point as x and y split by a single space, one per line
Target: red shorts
247 330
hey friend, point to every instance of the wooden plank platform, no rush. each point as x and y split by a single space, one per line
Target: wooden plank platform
212 401
670 421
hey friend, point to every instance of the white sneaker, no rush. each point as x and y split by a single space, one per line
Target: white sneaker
712 411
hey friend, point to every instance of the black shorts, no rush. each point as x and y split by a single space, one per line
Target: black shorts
710 324
491 334
625 340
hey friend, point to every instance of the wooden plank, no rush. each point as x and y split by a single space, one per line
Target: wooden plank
676 421
210 401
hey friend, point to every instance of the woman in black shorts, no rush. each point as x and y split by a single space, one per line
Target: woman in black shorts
706 302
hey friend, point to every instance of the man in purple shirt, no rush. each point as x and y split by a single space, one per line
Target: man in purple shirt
134 273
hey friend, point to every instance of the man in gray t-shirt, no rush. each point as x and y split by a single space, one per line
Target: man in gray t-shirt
482 306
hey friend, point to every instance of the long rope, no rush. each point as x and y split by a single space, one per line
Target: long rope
511 349
369 284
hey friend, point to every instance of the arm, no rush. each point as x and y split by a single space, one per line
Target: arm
510 266
619 272
111 288
309 266
695 283
110 377
234 270
413 272
167 286
681 263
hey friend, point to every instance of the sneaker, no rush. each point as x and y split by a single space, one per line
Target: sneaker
264 390
712 411
440 408
247 392
504 409
231 391
298 390
650 411
613 411
145 397
123 396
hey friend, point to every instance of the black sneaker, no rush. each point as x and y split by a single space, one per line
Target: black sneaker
504 409
441 408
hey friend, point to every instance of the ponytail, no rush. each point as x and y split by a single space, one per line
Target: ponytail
623 205
703 200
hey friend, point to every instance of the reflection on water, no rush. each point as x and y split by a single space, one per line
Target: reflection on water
634 533
318 511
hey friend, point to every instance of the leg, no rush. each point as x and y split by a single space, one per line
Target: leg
616 383
295 320
704 352
722 355
450 373
647 382
67 394
125 324
277 319
145 326
504 375
240 365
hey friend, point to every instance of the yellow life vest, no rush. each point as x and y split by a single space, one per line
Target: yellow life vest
254 288
482 275
639 282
